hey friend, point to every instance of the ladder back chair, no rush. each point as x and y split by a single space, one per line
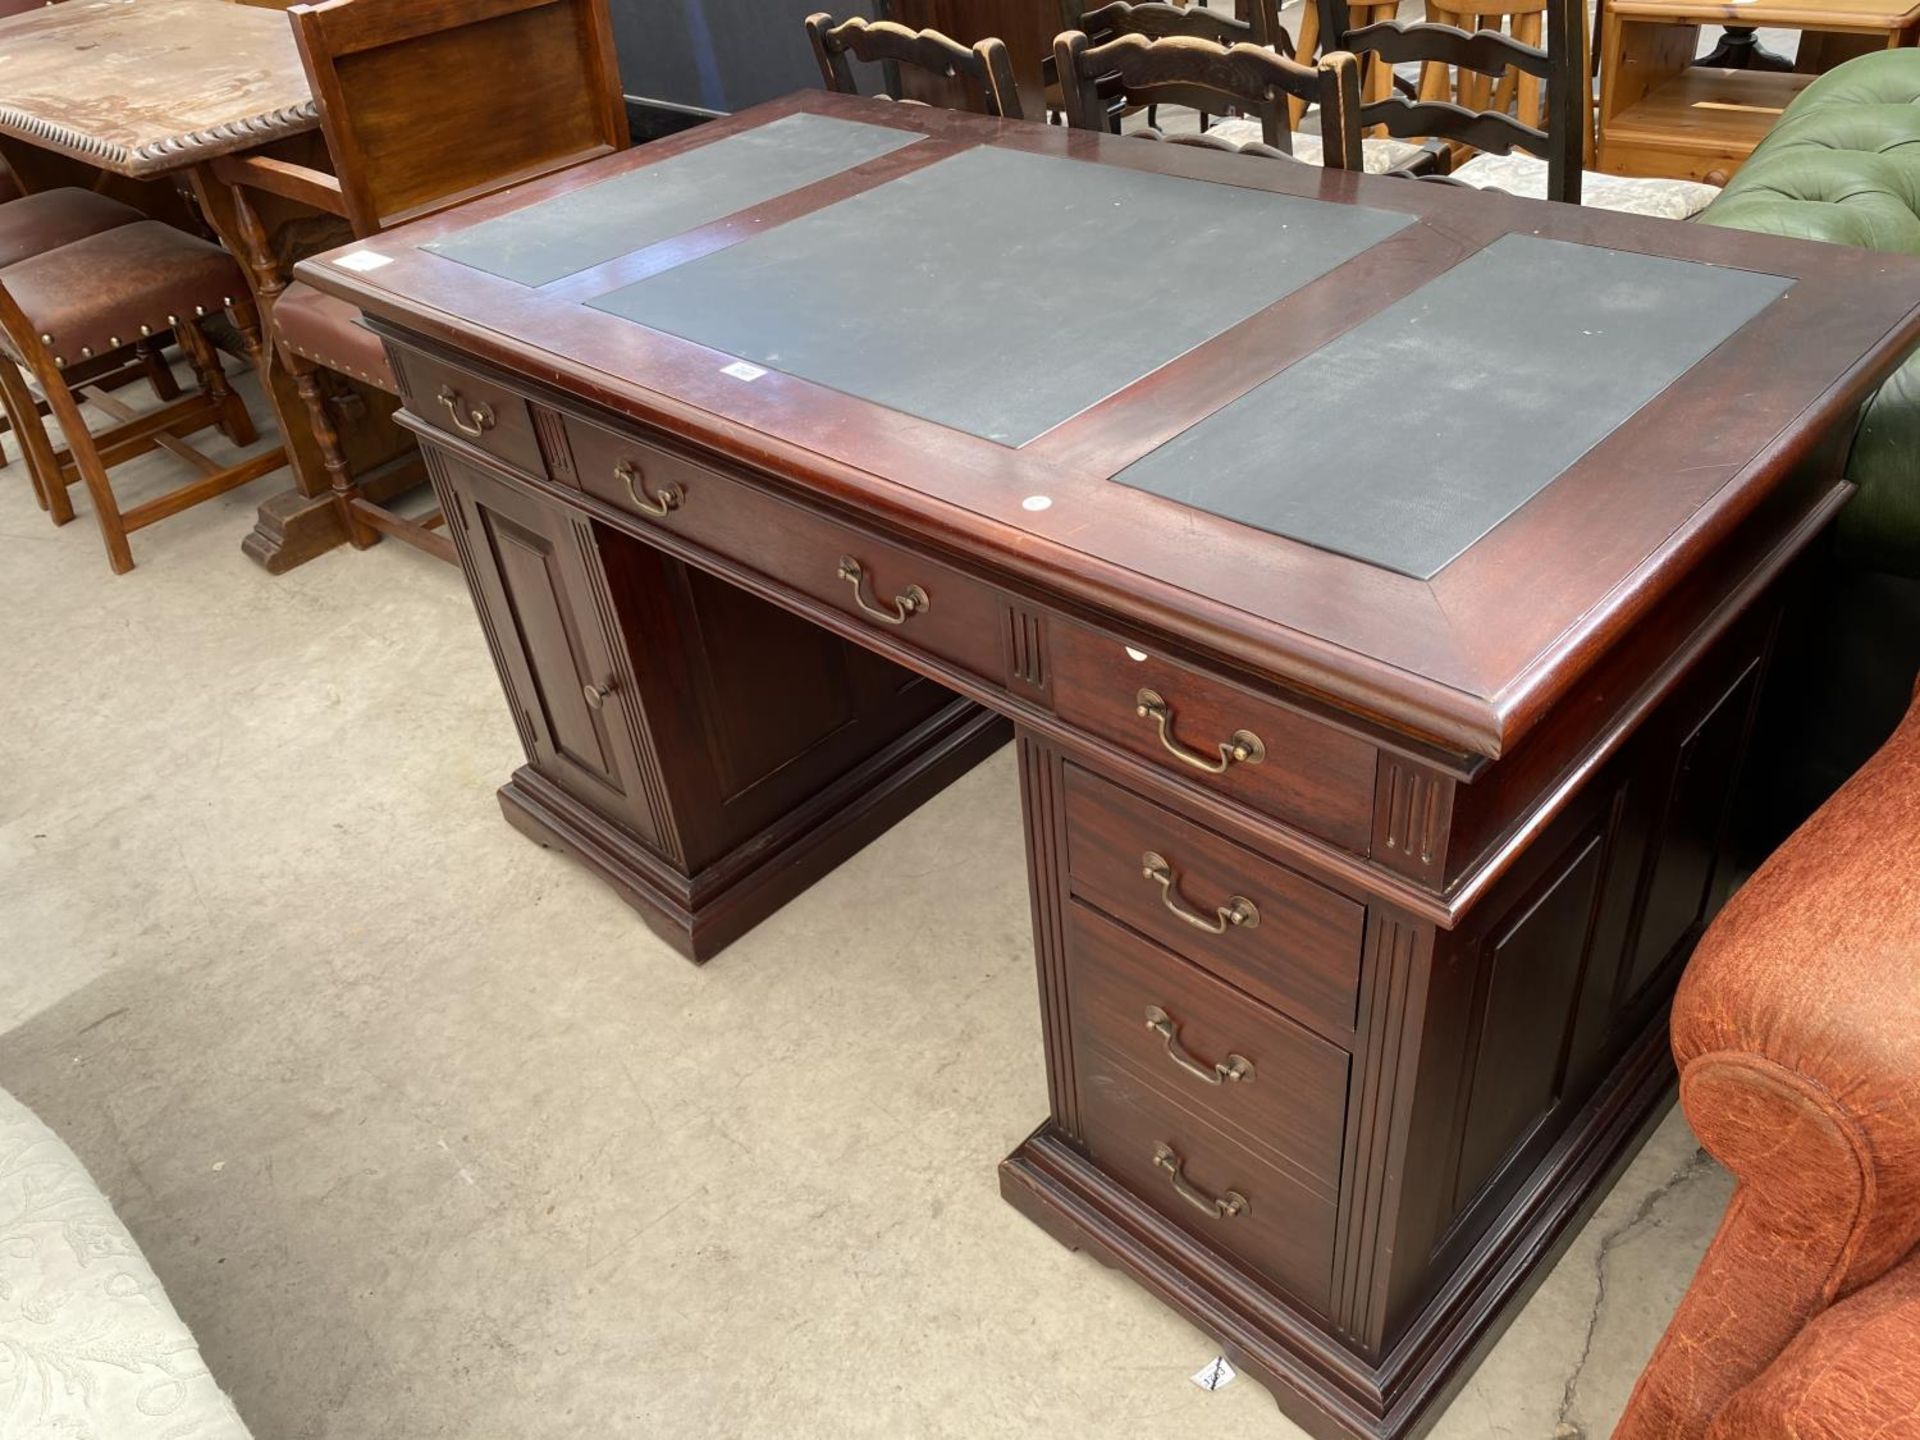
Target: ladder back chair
984 71
1514 91
1376 81
1499 73
1198 73
67 315
402 148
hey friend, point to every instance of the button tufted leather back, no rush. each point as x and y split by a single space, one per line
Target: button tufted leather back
1843 163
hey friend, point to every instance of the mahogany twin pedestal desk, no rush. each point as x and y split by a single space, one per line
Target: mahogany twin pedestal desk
1378 577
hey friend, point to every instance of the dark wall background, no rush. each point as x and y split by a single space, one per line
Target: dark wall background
719 54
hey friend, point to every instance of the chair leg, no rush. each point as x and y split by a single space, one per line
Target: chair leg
235 423
153 360
106 509
35 444
8 402
326 435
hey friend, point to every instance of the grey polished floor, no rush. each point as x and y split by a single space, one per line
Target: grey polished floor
428 1137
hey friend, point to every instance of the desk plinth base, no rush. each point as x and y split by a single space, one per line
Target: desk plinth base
701 914
1319 1384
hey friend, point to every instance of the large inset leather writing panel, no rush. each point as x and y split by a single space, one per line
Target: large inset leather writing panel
590 226
1406 439
979 292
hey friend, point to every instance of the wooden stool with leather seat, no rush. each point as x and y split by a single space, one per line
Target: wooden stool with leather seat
402 149
34 224
68 308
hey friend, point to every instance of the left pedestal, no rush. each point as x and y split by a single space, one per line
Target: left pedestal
704 752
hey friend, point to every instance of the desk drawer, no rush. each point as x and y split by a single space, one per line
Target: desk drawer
1211 1186
485 414
1283 938
891 589
1287 765
1217 1053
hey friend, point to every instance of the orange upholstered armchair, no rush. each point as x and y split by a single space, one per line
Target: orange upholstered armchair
1797 1029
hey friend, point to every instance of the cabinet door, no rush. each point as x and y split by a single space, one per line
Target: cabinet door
1680 887
535 576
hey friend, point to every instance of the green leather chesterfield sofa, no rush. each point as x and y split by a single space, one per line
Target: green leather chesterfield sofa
1843 165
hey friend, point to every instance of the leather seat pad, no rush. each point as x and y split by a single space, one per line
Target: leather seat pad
34 224
328 332
108 290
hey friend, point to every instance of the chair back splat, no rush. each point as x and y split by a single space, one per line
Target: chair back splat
1212 79
1160 21
1560 67
985 70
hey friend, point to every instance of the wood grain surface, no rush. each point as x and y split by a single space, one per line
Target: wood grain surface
145 87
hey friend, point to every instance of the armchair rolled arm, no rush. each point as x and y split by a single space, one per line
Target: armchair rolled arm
1852 1372
1799 1063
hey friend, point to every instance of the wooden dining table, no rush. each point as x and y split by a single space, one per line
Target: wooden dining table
142 98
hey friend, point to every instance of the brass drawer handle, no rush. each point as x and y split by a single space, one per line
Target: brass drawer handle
1238 913
482 414
1245 748
905 607
1234 1067
1225 1208
661 502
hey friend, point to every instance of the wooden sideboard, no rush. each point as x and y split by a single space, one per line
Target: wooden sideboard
1368 831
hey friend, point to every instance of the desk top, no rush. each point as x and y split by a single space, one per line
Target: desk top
1421 452
143 87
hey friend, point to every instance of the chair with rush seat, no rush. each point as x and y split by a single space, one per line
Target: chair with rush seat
1247 129
68 308
985 70
1509 114
1496 72
1184 71
402 149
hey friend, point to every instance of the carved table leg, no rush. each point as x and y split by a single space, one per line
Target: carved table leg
234 422
306 378
300 524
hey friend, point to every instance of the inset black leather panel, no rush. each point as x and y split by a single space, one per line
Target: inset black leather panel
588 227
1408 438
1000 292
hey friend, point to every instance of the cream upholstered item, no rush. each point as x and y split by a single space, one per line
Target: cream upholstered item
1517 174
1526 176
90 1347
1379 156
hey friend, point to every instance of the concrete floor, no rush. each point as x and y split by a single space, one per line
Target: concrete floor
428 1137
